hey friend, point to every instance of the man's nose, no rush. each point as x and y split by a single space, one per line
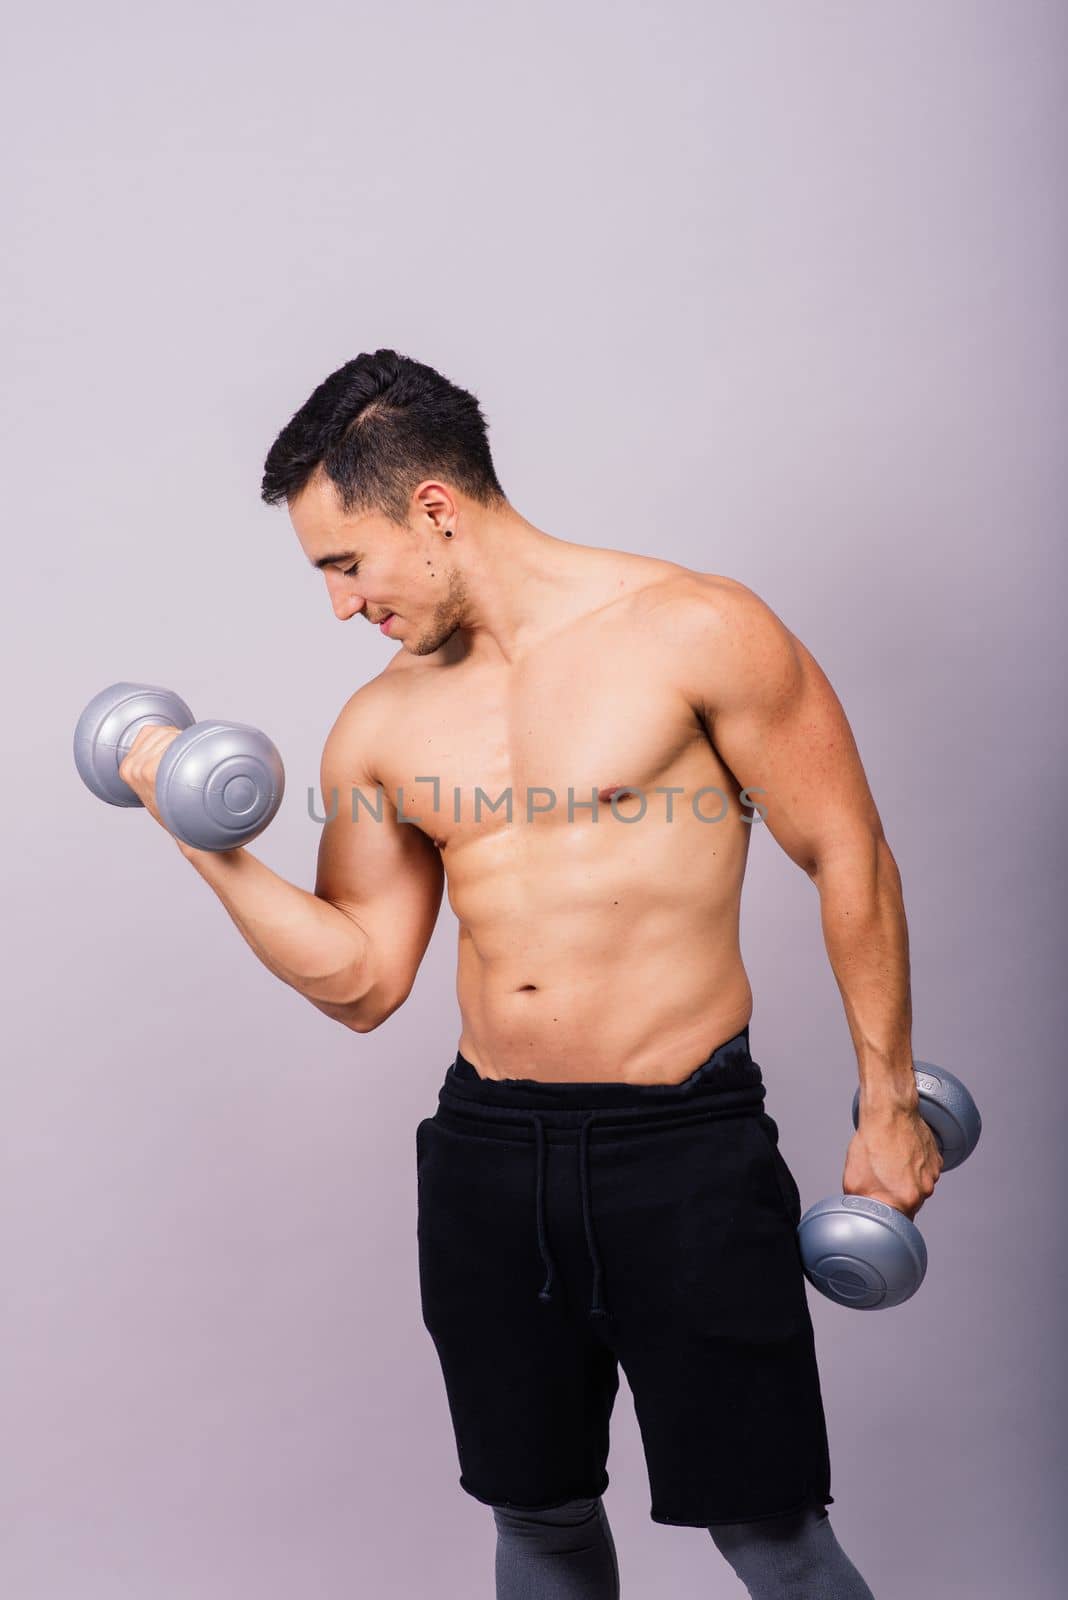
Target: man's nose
345 601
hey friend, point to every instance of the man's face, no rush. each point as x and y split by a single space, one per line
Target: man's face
374 568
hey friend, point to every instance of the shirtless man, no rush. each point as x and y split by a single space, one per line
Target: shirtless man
579 741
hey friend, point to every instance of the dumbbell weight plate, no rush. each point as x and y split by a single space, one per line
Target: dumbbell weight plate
219 784
109 725
861 1253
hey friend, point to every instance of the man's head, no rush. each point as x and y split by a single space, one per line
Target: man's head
377 469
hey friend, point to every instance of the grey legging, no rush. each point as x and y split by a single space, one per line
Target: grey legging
567 1554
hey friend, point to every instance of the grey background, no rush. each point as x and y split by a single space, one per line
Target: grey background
774 290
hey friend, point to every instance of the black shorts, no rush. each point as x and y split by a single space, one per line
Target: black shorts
565 1229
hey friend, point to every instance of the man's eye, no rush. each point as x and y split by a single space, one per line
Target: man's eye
346 572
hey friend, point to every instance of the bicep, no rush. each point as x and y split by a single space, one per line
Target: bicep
384 874
777 723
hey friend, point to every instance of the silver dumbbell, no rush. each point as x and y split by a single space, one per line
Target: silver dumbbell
218 784
862 1253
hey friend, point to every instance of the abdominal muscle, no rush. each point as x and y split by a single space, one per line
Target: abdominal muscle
613 960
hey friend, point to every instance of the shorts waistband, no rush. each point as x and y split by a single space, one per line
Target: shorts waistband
728 1083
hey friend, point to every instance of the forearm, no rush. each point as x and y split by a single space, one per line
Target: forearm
303 939
864 928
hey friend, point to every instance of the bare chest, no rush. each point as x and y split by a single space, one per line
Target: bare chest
474 752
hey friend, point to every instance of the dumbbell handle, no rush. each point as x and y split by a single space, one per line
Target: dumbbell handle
129 736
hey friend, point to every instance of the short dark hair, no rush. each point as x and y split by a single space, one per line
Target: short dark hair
378 426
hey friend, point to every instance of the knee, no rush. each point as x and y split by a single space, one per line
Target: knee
796 1555
771 1532
556 1530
